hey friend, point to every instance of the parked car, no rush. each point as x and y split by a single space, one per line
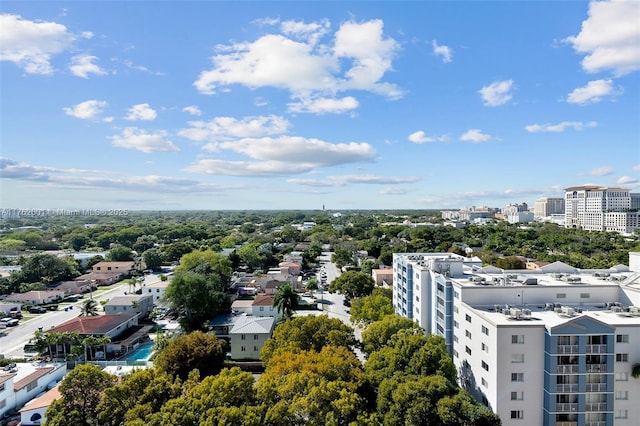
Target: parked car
37 310
13 322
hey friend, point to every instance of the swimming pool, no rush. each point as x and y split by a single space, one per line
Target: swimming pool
141 353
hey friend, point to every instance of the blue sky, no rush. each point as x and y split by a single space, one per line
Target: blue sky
294 105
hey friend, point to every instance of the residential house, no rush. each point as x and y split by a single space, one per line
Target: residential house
126 268
7 308
139 303
242 305
294 257
262 306
122 329
383 277
101 278
290 268
36 297
73 287
28 380
156 290
248 335
33 413
271 287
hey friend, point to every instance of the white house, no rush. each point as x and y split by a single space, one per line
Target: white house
157 290
20 387
138 303
248 335
262 306
33 413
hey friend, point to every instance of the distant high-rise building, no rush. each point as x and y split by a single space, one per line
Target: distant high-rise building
545 207
599 208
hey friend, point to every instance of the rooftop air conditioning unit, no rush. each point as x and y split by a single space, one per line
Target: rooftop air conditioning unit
567 310
617 309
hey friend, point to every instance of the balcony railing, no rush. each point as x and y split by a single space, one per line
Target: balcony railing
596 387
567 388
567 407
596 349
567 349
567 423
595 406
596 368
597 423
567 369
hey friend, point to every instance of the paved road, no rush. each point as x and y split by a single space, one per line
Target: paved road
13 341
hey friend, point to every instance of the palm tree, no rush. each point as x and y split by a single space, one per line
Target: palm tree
286 300
89 308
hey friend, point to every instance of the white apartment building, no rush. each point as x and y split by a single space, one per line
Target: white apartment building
598 208
545 207
551 346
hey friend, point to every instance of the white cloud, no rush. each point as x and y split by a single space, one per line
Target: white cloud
307 68
87 34
444 51
86 110
324 105
99 179
295 149
141 112
624 180
82 66
394 190
419 137
32 44
311 32
475 135
601 171
247 168
140 140
497 93
343 180
636 168
610 37
560 127
592 93
225 128
192 109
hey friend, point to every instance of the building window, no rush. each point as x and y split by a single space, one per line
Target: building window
585 295
622 394
455 338
261 308
517 396
622 357
456 295
484 383
622 376
517 377
485 348
561 295
517 358
243 349
455 353
455 309
1 387
31 386
485 366
517 414
621 414
3 403
455 323
243 337
467 349
255 349
467 333
622 338
467 317
485 330
517 338
255 337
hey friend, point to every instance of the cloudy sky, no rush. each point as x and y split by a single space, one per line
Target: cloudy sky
295 105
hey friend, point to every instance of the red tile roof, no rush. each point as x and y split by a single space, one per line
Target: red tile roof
263 300
100 324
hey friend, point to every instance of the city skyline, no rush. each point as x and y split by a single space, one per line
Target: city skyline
295 105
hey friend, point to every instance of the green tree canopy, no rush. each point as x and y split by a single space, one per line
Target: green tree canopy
197 297
365 310
119 253
195 350
89 308
152 258
46 268
379 333
81 390
210 263
313 388
353 284
309 332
